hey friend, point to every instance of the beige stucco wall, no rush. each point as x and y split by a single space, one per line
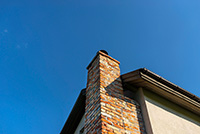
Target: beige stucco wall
80 125
168 118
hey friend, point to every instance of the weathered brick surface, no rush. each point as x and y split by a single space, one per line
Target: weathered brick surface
108 111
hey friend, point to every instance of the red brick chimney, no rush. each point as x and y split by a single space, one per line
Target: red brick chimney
107 110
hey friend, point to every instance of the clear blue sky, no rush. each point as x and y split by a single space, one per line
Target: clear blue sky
46 45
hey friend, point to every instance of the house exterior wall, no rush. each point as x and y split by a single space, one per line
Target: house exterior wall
133 108
169 118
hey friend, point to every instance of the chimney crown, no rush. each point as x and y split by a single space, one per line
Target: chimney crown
104 53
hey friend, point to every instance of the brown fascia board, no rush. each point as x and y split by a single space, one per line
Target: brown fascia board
170 84
75 115
151 81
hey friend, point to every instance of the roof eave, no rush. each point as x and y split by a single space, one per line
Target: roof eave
153 82
75 115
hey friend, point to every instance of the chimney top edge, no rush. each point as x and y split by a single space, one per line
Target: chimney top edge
103 51
104 54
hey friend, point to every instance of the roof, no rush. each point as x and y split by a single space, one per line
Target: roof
155 83
139 78
75 115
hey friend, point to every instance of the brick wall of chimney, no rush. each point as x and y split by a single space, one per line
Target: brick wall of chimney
107 110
